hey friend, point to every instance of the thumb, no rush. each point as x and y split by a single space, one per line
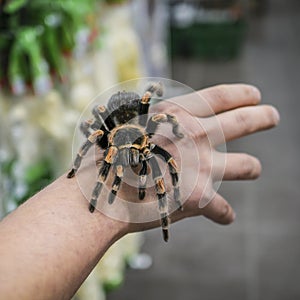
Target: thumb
219 210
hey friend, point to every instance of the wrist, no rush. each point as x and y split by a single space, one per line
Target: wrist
78 205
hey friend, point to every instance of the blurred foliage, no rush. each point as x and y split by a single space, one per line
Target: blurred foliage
35 177
35 36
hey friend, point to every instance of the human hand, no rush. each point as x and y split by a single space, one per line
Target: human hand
225 113
208 119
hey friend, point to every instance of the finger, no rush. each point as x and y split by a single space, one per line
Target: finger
215 99
229 96
240 122
219 210
235 166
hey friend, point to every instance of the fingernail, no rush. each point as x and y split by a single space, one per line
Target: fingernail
233 216
256 92
276 115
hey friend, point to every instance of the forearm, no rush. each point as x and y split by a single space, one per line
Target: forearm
51 243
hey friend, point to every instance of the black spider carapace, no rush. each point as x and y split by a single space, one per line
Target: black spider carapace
124 131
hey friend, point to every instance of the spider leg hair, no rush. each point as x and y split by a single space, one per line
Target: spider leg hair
109 159
101 114
86 126
161 197
153 123
175 126
91 125
143 179
154 88
92 138
156 119
116 184
173 170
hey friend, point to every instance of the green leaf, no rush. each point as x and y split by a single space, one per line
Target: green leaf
37 172
114 283
6 166
12 6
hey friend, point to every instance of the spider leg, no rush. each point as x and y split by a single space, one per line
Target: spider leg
134 157
88 126
156 119
154 88
92 138
85 127
161 196
173 170
126 156
143 179
101 114
116 184
109 159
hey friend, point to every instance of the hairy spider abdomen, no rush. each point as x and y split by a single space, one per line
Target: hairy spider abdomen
124 106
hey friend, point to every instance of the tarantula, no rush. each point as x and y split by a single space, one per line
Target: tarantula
124 130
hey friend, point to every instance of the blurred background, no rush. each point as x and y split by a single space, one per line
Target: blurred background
55 56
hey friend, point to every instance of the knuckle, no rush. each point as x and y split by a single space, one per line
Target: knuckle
196 129
167 107
242 119
201 133
220 92
206 168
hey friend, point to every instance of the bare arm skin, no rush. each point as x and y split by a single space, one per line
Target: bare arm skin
49 244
